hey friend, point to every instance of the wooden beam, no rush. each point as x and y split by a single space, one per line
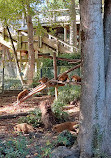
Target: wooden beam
75 67
58 58
67 82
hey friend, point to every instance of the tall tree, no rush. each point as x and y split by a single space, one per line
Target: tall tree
31 54
92 107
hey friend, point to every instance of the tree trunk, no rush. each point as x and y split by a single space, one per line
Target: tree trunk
93 86
107 41
48 117
107 32
73 28
31 57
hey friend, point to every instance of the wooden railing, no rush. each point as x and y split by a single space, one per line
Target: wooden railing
49 40
63 43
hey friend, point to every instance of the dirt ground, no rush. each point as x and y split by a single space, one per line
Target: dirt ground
7 108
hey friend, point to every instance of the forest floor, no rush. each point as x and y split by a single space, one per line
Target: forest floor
7 108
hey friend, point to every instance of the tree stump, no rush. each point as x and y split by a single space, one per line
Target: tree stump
48 117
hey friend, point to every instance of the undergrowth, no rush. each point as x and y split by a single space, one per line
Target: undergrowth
21 147
33 118
14 148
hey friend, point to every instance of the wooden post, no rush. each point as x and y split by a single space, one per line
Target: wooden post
20 60
40 41
65 33
57 50
55 73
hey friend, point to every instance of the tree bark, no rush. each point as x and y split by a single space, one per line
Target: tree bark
92 107
31 57
107 41
107 32
73 28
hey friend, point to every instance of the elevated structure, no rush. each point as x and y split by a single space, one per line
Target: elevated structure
47 43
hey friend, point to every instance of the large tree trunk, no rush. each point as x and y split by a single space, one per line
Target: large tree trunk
107 32
93 86
107 41
31 57
73 28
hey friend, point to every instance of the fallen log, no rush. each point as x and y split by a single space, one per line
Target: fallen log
10 116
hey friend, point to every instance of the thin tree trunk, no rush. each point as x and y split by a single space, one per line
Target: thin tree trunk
107 41
31 57
93 86
73 27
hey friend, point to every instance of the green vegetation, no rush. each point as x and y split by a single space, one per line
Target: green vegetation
68 56
68 93
66 138
33 118
21 146
12 84
14 148
61 116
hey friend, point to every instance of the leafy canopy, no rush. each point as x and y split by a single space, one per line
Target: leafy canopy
11 11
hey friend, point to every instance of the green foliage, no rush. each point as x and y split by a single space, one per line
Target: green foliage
66 138
14 148
51 91
67 2
33 118
40 31
47 62
52 31
68 56
12 84
61 116
55 4
11 11
35 81
68 93
45 152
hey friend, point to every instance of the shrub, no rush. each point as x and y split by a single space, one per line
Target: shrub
68 93
66 138
33 118
60 115
14 148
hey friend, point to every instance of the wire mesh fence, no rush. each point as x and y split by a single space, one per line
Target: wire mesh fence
9 78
